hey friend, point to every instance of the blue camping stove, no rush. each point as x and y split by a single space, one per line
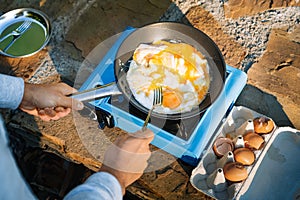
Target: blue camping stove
186 138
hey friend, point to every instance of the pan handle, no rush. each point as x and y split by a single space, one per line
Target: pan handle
97 92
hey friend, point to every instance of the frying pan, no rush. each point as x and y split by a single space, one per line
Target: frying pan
165 31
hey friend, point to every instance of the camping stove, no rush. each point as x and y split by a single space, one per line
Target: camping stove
186 138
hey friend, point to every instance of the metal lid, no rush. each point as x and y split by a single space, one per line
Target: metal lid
23 32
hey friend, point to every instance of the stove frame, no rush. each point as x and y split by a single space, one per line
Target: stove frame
189 150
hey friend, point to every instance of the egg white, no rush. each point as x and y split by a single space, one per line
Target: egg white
141 74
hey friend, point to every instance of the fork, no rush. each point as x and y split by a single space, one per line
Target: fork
16 33
157 100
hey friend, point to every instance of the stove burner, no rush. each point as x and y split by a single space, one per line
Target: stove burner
181 128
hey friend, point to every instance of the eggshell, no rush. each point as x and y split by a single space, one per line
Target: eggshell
253 140
263 125
222 146
244 156
235 172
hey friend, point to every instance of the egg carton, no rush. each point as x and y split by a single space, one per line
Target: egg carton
209 177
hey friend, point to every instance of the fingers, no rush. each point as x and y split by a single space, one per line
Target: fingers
65 101
127 159
147 135
68 102
65 89
63 113
137 143
49 102
48 114
77 105
59 109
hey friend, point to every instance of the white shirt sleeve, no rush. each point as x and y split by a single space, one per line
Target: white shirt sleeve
11 91
12 184
100 185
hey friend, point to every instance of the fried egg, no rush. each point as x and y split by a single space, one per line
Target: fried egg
181 71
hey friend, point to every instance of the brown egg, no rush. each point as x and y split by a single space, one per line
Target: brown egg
235 172
253 140
244 156
263 125
222 145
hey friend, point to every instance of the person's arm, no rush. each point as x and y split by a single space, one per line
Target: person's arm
101 185
124 162
11 91
48 101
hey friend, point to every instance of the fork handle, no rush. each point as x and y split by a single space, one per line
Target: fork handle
5 37
147 119
11 43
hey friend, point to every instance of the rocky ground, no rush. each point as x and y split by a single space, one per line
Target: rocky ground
260 37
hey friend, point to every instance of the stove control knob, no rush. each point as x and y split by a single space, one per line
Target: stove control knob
101 124
105 119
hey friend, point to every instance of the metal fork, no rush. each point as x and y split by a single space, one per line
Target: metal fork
16 33
157 100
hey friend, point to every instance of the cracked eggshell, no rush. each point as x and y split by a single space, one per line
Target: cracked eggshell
253 141
263 125
222 146
238 128
244 156
235 172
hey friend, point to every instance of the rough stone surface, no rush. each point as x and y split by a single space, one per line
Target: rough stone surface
22 67
203 20
252 33
237 8
95 27
258 37
278 71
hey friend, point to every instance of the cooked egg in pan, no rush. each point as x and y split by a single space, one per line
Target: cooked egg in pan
181 71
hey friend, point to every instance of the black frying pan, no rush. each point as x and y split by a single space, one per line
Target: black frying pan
178 32
168 31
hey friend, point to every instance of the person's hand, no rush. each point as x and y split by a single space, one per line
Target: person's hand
49 101
126 159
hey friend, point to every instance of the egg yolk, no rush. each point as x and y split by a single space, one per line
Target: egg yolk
171 99
182 50
179 59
